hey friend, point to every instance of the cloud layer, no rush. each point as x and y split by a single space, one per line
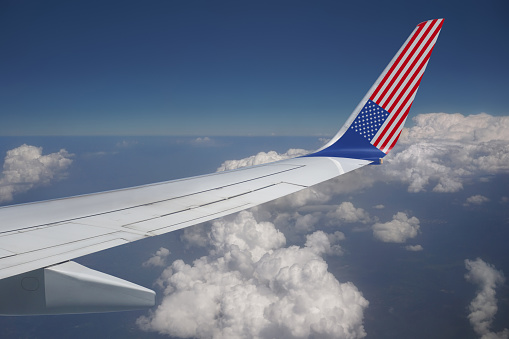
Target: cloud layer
25 167
484 307
442 151
251 286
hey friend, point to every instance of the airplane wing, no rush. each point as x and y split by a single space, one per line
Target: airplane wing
38 240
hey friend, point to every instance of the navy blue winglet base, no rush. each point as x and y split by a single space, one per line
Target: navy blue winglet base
351 145
356 142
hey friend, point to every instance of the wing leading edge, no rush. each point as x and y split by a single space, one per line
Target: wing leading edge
38 239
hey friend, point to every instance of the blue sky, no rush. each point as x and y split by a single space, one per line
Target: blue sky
233 68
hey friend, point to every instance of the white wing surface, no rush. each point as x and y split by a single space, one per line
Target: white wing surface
46 233
37 240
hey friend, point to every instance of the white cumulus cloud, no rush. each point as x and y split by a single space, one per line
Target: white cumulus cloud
195 236
299 222
414 248
158 259
476 200
261 158
443 150
346 212
25 167
251 286
322 243
204 142
484 306
398 230
457 127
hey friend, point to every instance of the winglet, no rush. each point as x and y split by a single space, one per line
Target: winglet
374 126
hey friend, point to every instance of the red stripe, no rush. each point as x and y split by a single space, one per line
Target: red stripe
399 122
394 116
416 86
419 43
395 63
408 85
396 128
430 41
403 117
381 136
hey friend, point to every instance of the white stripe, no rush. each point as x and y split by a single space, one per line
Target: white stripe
400 62
396 86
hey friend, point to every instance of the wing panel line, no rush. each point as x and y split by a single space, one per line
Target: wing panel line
149 203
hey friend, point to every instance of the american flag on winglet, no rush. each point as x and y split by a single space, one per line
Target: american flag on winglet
396 91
